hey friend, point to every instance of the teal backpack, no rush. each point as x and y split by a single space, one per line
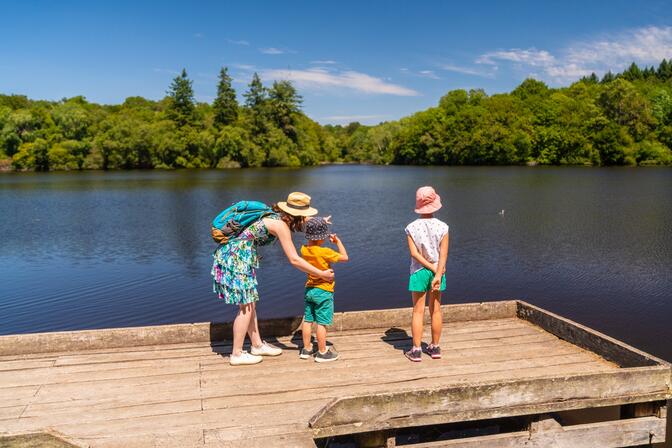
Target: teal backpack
233 220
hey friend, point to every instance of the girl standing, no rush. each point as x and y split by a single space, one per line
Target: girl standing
428 243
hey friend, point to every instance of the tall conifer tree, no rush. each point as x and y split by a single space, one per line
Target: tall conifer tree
225 105
181 94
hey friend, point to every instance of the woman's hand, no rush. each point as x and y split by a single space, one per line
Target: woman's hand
327 275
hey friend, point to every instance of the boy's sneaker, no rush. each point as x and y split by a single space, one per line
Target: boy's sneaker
305 353
414 354
329 355
244 359
434 351
266 350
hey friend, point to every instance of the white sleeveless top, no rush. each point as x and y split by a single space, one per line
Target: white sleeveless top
427 234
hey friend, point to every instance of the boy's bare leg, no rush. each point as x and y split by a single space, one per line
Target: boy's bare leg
437 317
240 327
418 317
321 338
253 327
306 330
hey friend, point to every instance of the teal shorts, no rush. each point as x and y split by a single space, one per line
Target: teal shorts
319 306
421 281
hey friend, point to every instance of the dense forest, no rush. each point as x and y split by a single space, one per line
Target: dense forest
620 119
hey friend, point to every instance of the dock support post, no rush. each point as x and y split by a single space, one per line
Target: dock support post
377 439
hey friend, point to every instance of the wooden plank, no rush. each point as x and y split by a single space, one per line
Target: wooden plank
490 400
613 434
584 337
207 331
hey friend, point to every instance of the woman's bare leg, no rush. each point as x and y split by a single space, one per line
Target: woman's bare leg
418 317
253 328
437 317
240 327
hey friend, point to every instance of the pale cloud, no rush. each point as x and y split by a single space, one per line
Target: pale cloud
532 57
342 119
467 70
247 67
271 50
323 62
238 42
199 35
428 74
166 70
319 78
647 45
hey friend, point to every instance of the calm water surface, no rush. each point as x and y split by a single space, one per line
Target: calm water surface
94 249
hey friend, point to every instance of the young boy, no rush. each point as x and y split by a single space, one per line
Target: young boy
319 295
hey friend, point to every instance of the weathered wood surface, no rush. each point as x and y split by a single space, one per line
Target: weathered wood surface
185 394
584 337
620 433
491 399
207 332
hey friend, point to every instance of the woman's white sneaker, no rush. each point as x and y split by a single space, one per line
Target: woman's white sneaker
244 359
266 350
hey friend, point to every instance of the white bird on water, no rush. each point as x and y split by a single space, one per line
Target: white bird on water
502 212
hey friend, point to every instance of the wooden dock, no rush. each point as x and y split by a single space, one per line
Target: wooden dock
172 386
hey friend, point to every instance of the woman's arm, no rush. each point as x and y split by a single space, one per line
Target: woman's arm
415 253
281 231
441 266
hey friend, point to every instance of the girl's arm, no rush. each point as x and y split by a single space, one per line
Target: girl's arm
281 231
415 253
441 266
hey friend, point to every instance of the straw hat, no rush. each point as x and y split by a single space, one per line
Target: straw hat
426 201
298 204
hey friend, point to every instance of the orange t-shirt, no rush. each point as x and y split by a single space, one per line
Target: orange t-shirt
322 258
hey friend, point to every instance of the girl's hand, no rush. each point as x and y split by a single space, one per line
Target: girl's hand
327 275
436 283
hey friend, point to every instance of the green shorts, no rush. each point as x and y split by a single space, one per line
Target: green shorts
319 306
421 281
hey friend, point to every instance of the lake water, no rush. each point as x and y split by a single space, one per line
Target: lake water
95 249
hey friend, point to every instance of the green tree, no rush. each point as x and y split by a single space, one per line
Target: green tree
181 100
225 106
284 104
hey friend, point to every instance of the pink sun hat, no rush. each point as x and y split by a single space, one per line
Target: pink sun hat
426 201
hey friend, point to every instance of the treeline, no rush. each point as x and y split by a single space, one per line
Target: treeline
269 129
621 119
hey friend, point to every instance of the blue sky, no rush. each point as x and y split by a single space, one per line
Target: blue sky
368 61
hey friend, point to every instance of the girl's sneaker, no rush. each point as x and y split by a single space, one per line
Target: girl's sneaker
434 351
305 353
266 350
414 354
244 359
329 355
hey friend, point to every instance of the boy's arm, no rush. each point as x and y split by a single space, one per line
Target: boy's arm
342 253
441 266
415 253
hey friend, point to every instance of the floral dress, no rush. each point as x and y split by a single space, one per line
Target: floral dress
234 269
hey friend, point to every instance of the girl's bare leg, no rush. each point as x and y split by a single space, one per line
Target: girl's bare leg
253 328
437 317
418 317
306 330
240 327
